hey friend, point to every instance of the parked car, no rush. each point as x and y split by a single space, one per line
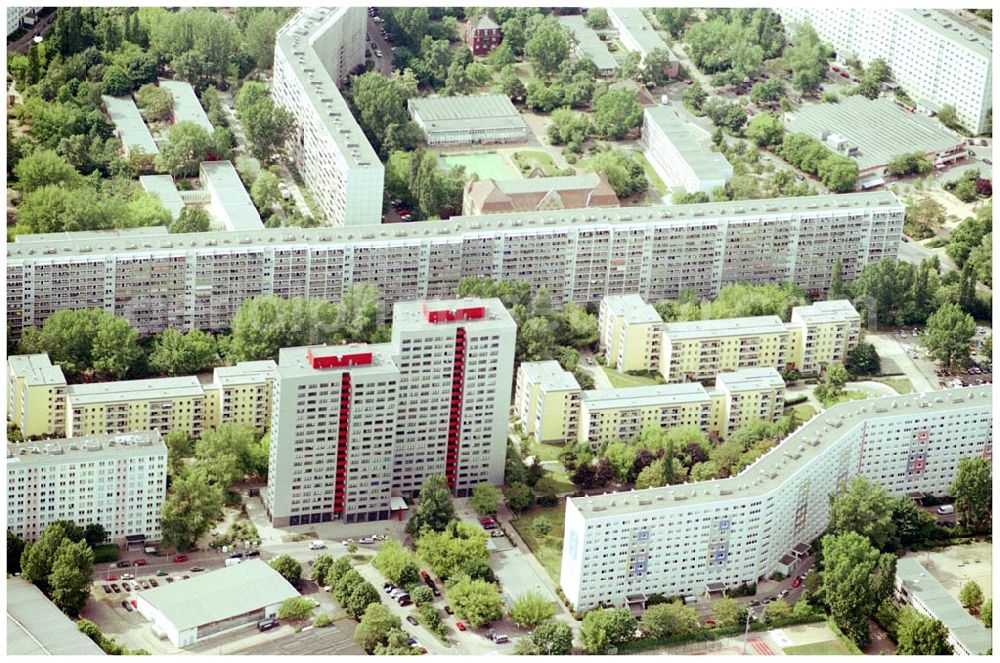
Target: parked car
366 540
127 576
783 593
346 541
496 534
110 578
169 579
124 564
412 620
253 553
316 545
411 641
797 581
460 626
448 610
127 606
404 601
266 624
236 555
946 509
138 562
115 588
435 591
500 638
161 573
195 569
136 586
144 583
179 559
107 589
485 520
153 583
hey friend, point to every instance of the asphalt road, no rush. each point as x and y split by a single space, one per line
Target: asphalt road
40 28
383 64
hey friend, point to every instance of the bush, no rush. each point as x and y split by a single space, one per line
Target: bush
322 620
106 553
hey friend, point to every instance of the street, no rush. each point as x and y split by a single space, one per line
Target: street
383 64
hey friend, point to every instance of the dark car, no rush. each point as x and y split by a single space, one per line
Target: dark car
412 620
236 555
196 569
115 588
448 609
107 589
435 591
153 583
253 553
266 624
404 601
127 606
124 565
169 580
144 583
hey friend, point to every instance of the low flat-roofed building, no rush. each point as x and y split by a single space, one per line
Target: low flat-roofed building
635 30
701 349
547 401
230 200
826 332
916 587
215 602
874 131
589 45
489 196
475 119
129 125
677 156
748 394
164 188
630 333
160 404
187 107
35 626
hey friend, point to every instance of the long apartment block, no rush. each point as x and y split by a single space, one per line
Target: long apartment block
314 52
41 403
198 281
686 539
118 481
358 429
551 407
936 56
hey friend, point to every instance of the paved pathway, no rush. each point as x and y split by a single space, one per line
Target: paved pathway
601 380
889 347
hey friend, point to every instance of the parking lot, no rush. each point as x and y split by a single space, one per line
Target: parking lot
336 639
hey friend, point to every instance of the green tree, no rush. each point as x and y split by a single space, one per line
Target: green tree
531 609
397 564
863 359
70 581
95 534
838 173
949 332
948 116
856 579
375 626
832 386
512 85
624 173
362 595
807 57
780 610
603 629
15 548
265 192
657 65
767 91
42 168
986 614
321 569
917 635
765 129
971 596
865 508
288 567
191 220
378 105
296 608
263 325
476 601
259 35
518 496
596 18
727 612
973 492
541 526
434 506
667 619
547 48
188 144
550 638
158 102
115 81
617 112
421 594
37 557
175 353
223 452
485 499
194 503
449 550
694 97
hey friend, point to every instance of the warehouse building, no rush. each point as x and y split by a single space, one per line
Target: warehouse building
213 603
619 548
678 157
36 627
313 52
472 120
187 108
936 56
581 256
119 481
872 132
129 125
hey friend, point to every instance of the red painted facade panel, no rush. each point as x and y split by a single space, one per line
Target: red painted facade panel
339 361
451 315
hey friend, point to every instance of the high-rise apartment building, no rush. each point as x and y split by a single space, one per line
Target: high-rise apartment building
686 539
937 57
314 52
118 481
158 280
456 363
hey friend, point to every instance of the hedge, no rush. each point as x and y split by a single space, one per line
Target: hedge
105 553
711 634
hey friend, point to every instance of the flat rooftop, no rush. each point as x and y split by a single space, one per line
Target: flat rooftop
357 358
659 395
762 324
965 628
35 626
442 313
791 455
229 196
187 107
589 43
822 312
164 188
549 220
955 30
138 443
705 163
879 128
494 111
217 595
36 369
245 372
98 393
295 42
550 375
545 184
633 309
639 27
129 124
750 379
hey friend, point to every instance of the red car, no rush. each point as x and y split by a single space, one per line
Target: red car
180 558
138 562
797 581
111 578
485 520
844 74
460 626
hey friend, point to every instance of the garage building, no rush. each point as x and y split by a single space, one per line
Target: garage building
216 602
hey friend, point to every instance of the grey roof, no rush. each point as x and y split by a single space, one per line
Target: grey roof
791 455
410 315
750 379
589 44
137 443
494 111
550 375
164 188
761 324
633 308
216 595
36 369
648 396
134 390
294 362
230 196
295 41
706 164
964 628
545 184
821 312
131 127
158 238
485 22
959 32
639 27
879 128
81 235
245 372
187 108
35 626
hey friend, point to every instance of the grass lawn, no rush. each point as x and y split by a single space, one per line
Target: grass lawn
620 380
829 648
528 160
804 412
545 451
847 396
651 175
556 482
547 549
484 164
901 385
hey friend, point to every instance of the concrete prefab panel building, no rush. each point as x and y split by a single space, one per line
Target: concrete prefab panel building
630 333
678 540
471 120
678 157
216 602
547 401
36 395
701 349
161 404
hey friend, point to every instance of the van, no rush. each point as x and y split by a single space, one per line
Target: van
266 624
946 509
316 545
233 561
500 638
150 550
664 100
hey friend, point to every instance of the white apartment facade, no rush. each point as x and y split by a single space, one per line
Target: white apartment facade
935 57
158 280
678 157
677 540
118 481
314 52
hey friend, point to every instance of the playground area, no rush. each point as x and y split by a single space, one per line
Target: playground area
809 639
484 164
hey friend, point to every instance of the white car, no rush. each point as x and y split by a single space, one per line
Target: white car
378 53
316 545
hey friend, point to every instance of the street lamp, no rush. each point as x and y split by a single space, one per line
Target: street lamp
110 568
746 631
